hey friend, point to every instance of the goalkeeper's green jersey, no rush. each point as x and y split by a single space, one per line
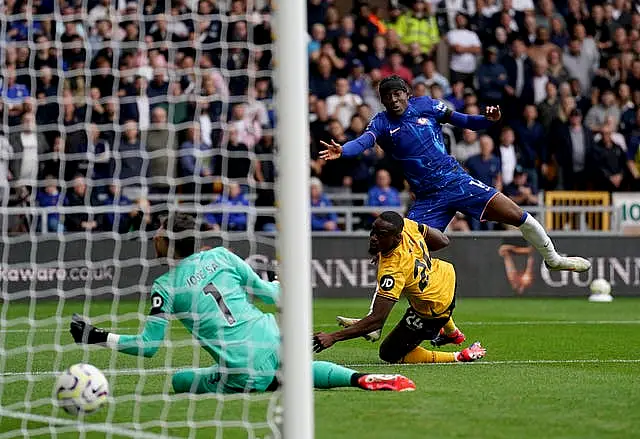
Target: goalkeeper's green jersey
209 292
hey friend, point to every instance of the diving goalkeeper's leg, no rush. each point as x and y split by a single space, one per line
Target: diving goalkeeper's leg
203 380
328 375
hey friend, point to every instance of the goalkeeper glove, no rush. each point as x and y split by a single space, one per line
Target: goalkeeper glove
85 333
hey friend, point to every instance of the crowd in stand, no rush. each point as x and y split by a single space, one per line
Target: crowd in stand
114 103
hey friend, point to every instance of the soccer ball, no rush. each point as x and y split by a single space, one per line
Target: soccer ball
600 287
81 389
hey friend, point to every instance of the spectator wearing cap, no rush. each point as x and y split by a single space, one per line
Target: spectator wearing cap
358 81
465 47
343 104
520 191
430 76
608 163
598 114
321 221
492 78
419 25
573 143
395 67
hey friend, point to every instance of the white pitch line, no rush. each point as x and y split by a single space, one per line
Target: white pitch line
132 371
334 325
505 362
80 426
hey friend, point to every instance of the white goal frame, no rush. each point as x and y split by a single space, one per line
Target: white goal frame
294 242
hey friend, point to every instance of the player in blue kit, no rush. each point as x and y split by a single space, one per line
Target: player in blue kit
209 292
410 131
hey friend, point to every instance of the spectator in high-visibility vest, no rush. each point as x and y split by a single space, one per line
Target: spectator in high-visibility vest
419 26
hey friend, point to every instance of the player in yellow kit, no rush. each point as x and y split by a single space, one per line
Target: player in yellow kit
405 267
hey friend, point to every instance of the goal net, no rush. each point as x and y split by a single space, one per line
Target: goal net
114 113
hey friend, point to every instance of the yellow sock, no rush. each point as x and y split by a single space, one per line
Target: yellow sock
449 327
421 355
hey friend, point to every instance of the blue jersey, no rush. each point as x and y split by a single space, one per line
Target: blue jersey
415 141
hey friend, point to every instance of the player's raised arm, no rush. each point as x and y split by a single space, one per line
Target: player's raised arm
268 292
473 122
374 321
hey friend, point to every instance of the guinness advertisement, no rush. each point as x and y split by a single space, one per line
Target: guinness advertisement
486 266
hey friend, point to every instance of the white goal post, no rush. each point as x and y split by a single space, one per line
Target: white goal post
294 243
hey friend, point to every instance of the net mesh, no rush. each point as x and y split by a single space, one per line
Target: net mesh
114 114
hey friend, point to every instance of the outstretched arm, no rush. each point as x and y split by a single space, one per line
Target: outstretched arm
472 122
374 321
145 344
350 149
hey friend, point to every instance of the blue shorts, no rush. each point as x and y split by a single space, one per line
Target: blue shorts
465 194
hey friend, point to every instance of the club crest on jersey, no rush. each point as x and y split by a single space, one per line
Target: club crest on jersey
423 121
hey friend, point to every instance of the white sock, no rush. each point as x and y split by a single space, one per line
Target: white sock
533 232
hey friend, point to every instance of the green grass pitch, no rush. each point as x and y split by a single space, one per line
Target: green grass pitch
555 368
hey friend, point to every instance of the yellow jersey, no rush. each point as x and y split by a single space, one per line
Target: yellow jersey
428 284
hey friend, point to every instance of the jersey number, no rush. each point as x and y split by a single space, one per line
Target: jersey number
212 291
420 269
479 184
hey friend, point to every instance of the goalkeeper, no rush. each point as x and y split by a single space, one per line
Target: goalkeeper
209 292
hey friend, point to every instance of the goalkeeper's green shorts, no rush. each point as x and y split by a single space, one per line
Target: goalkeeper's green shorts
216 379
